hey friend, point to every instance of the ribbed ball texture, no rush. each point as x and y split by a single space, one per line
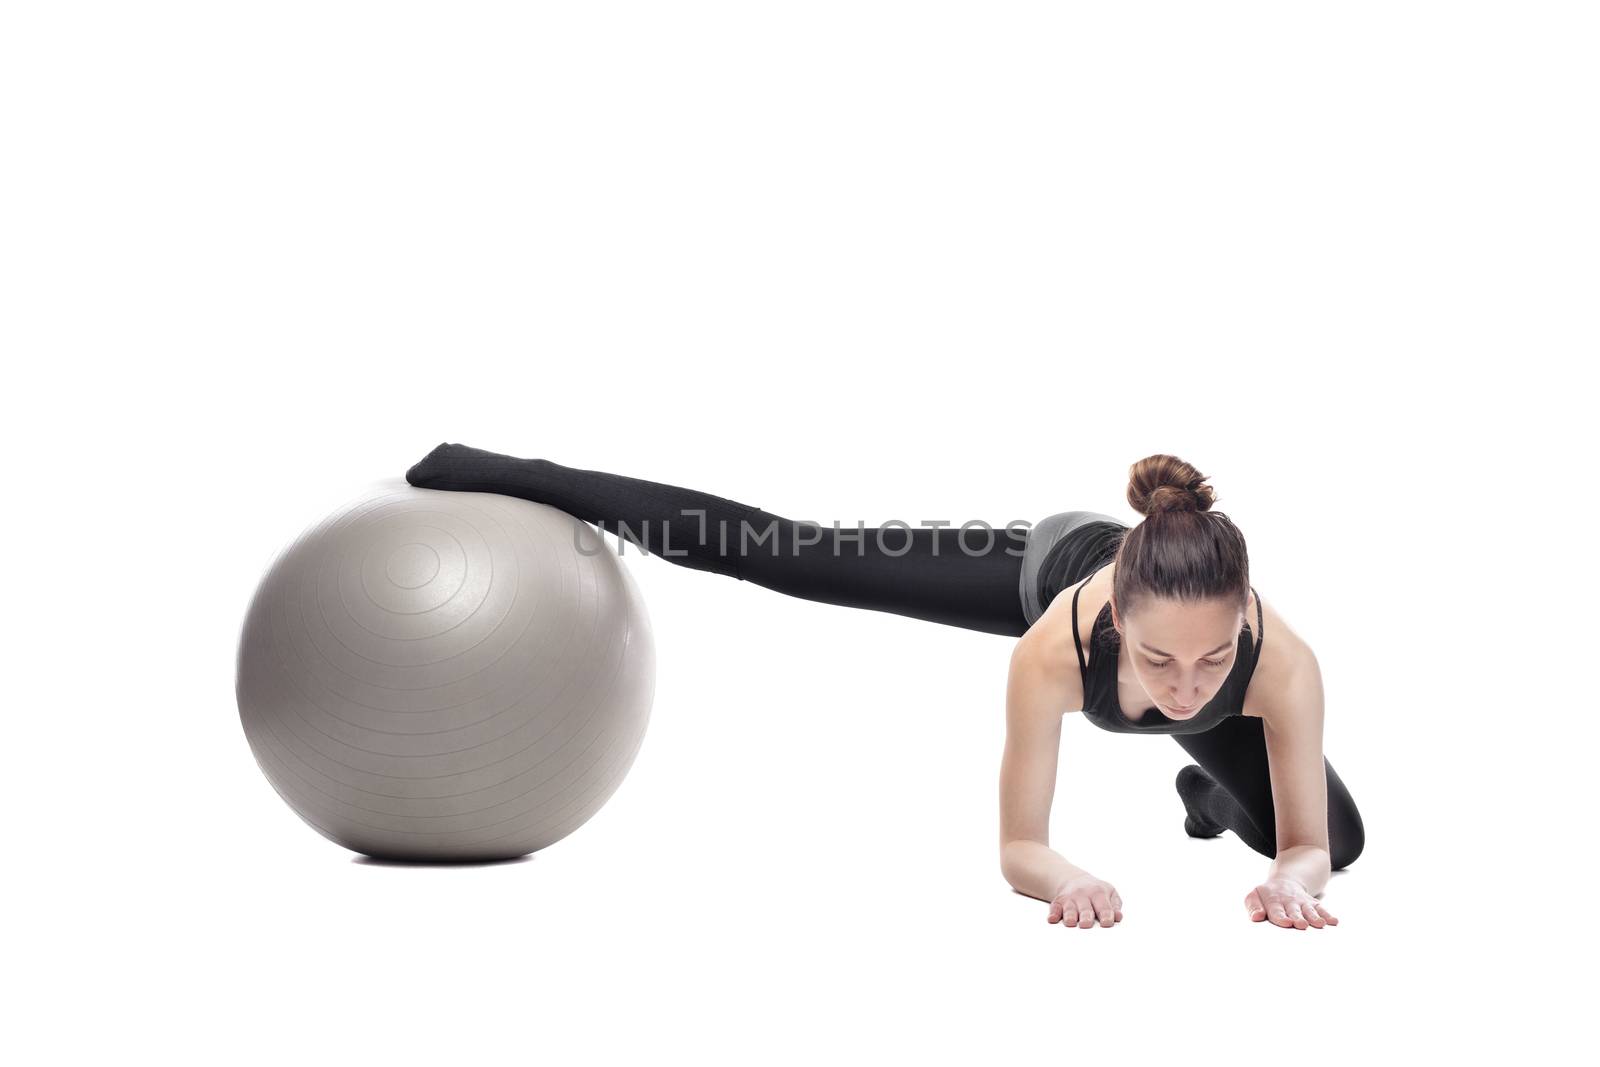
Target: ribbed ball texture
432 675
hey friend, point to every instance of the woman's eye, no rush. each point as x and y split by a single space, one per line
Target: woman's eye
1168 663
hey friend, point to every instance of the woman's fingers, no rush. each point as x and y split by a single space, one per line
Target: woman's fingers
1103 907
1289 907
1087 909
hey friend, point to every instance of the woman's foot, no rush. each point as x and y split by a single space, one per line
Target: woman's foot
448 466
1194 786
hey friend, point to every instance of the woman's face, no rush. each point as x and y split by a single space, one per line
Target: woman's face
1181 651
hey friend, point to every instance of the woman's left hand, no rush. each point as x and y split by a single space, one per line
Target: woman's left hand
1285 902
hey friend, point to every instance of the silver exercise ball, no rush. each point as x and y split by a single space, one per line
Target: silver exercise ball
431 675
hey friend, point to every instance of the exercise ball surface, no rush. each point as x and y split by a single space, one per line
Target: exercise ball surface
433 675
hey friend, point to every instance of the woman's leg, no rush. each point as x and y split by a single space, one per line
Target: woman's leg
927 573
1234 792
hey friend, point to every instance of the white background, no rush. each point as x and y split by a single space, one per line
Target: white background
853 261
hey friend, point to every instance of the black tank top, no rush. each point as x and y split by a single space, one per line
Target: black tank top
1100 702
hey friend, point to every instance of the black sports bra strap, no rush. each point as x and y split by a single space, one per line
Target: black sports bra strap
1261 627
1077 641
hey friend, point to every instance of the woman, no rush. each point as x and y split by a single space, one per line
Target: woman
1175 645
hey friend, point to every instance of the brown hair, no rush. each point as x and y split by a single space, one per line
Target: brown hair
1182 550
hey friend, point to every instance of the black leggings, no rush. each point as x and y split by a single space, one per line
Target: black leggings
941 575
1233 754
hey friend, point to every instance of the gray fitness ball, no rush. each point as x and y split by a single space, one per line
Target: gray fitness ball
433 675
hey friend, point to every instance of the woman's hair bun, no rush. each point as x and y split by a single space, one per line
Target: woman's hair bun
1166 483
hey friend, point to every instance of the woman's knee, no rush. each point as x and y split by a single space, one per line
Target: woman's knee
1346 834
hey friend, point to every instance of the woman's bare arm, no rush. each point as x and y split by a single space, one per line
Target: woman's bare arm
1038 692
1291 710
1292 724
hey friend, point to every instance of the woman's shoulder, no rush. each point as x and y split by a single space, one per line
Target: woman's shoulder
1046 653
1283 652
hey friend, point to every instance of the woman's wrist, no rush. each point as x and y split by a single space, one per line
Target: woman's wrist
1305 865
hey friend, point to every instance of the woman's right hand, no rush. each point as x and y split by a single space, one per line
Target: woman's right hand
1084 900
